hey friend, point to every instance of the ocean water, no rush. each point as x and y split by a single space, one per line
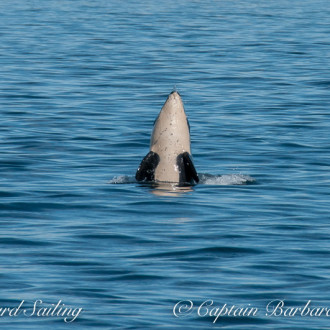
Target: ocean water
81 84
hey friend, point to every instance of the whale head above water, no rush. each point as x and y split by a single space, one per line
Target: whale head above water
169 158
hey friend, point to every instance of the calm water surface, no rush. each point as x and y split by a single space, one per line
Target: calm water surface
81 84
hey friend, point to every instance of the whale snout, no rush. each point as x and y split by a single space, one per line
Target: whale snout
175 96
174 101
175 93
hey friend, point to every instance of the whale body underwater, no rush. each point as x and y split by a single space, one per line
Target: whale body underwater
169 159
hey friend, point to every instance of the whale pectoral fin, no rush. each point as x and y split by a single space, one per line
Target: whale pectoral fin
146 170
187 170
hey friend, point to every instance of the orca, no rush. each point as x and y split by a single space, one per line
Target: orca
169 159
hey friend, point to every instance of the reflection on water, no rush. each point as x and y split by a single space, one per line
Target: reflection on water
169 189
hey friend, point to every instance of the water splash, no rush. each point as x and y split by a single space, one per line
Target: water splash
225 180
204 178
122 179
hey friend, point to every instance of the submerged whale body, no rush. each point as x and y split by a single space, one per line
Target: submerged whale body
169 158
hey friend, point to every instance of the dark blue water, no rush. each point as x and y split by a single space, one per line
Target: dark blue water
81 84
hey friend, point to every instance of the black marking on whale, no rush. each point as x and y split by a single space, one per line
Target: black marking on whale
146 170
187 171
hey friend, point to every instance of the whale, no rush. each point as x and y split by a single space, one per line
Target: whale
169 159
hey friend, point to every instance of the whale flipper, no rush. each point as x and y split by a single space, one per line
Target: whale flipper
146 170
188 173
